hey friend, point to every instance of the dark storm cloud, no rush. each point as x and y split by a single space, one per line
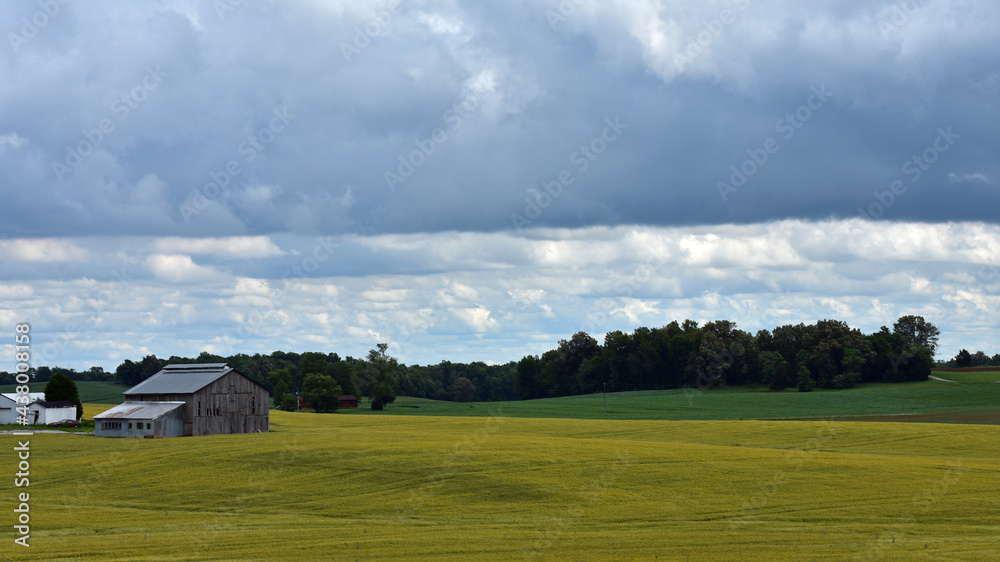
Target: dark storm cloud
127 114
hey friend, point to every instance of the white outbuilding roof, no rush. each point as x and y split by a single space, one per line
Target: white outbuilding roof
138 410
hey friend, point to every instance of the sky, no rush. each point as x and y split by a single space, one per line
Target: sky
476 181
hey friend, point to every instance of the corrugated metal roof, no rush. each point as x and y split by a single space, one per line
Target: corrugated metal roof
181 379
33 396
138 410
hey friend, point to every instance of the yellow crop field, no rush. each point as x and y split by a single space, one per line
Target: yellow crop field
340 487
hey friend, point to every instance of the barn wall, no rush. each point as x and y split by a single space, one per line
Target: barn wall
99 432
170 424
242 407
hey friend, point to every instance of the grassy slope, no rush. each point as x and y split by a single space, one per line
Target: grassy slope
969 376
692 404
93 392
346 487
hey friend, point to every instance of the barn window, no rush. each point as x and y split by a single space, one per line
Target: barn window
149 425
253 404
199 408
130 425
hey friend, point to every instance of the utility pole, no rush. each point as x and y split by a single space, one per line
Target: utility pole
605 399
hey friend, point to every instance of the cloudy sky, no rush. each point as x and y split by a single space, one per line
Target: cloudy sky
474 181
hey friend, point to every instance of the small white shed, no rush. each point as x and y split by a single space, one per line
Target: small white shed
41 413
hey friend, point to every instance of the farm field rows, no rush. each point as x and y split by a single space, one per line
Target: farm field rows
343 487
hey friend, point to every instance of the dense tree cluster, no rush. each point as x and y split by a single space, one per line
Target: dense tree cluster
827 354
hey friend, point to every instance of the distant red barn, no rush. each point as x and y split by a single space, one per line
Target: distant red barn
348 401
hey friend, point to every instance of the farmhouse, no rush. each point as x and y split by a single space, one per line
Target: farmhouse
8 405
203 399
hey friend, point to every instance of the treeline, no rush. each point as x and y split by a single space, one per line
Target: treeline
286 373
827 354
966 359
44 374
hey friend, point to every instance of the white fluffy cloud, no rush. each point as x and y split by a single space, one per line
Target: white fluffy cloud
499 296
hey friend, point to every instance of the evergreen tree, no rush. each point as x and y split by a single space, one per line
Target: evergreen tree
61 387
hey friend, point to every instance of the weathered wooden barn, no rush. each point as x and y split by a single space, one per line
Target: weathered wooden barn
347 401
216 398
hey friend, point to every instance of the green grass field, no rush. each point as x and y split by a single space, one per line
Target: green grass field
969 377
670 475
692 404
420 488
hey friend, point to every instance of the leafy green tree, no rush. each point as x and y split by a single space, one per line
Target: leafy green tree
281 391
149 366
343 373
805 382
774 370
463 390
320 392
381 370
963 359
917 331
43 374
288 402
281 376
311 362
61 387
526 378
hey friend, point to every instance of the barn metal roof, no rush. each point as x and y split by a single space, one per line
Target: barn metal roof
181 379
139 410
